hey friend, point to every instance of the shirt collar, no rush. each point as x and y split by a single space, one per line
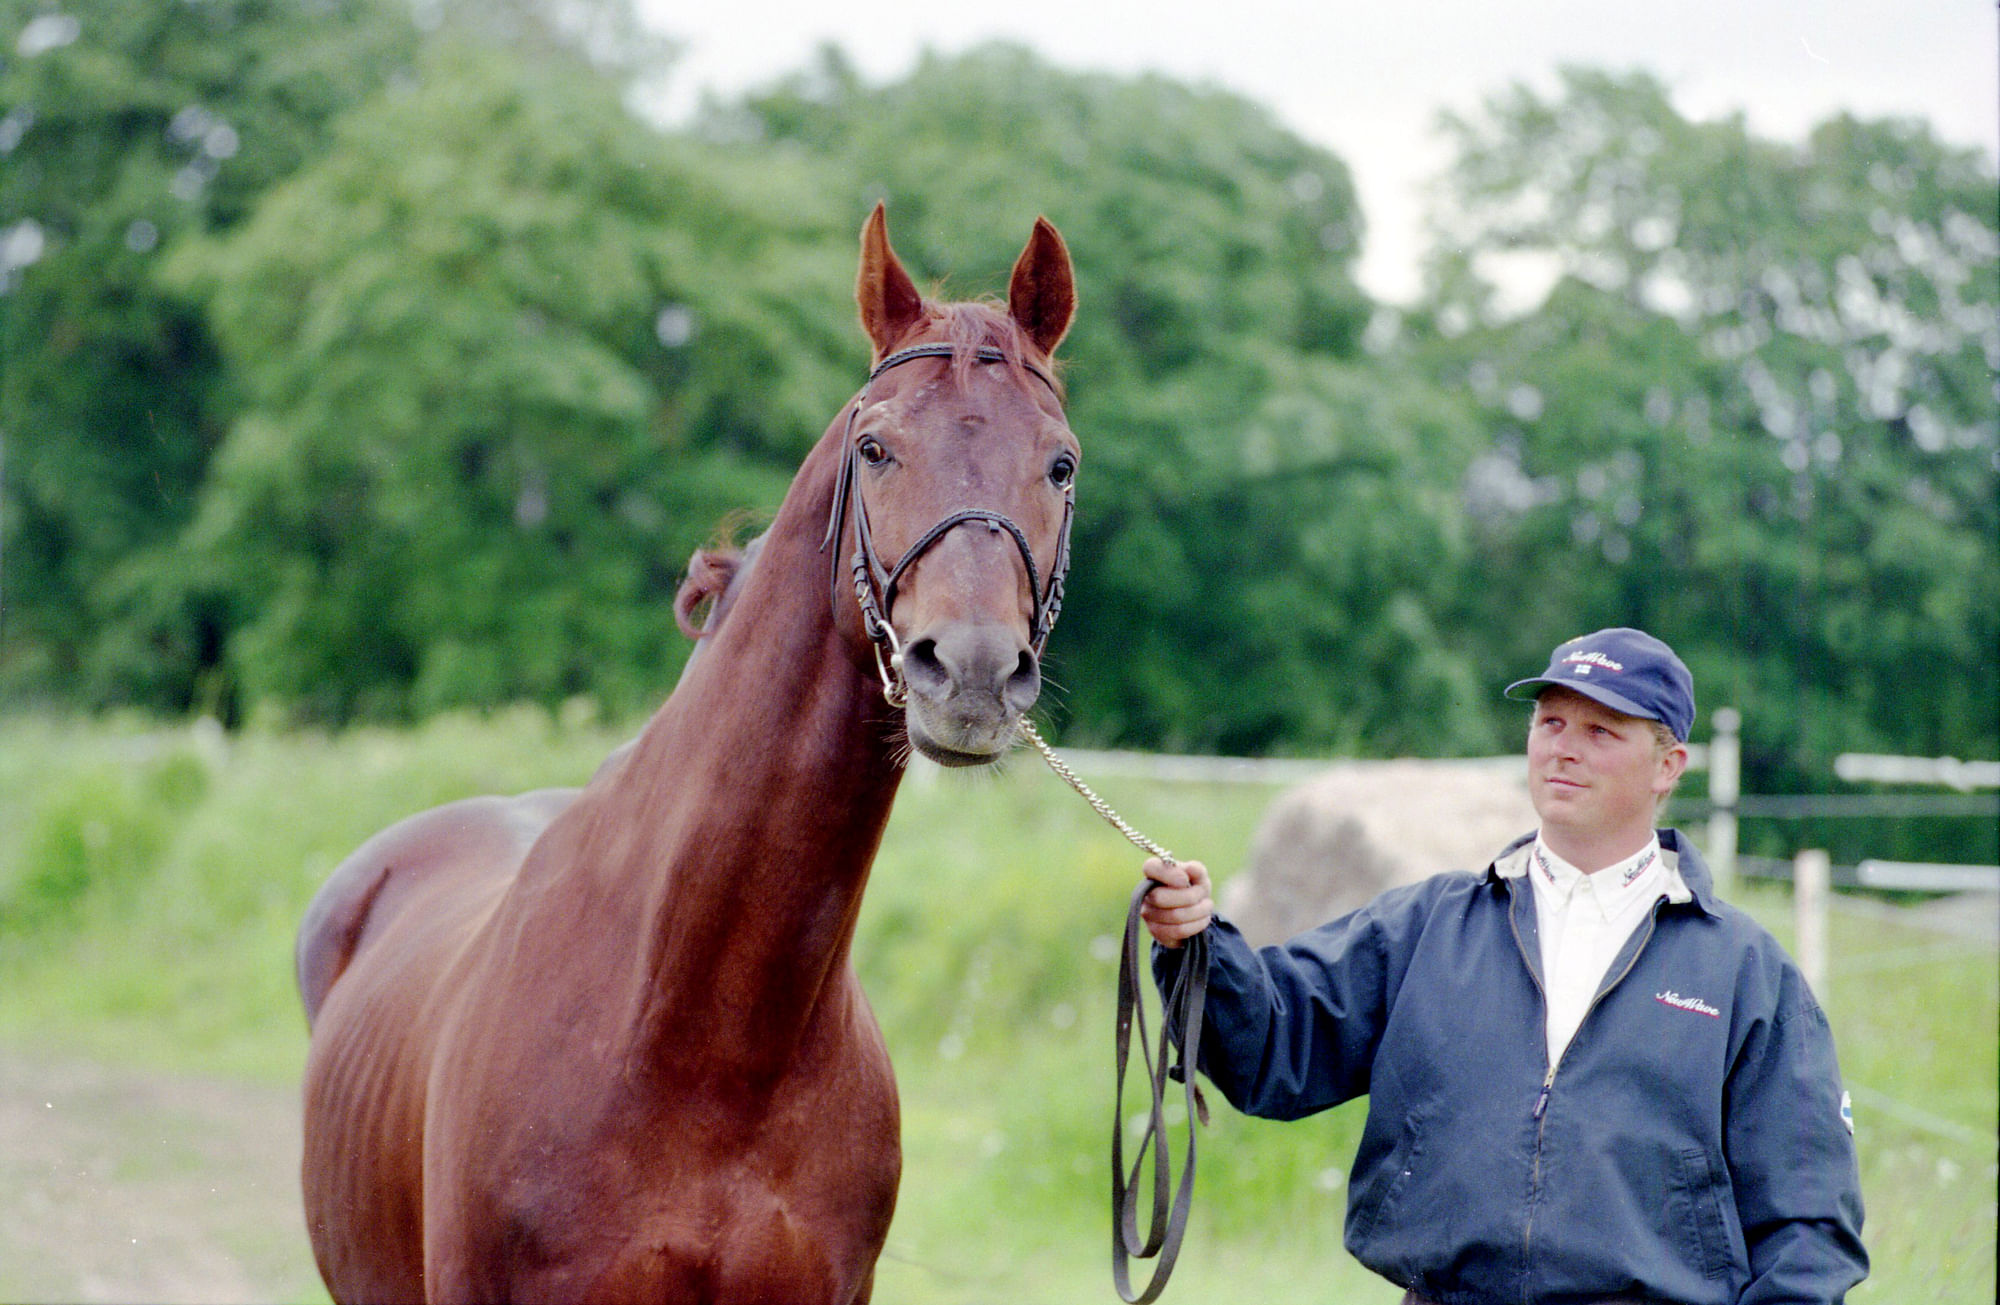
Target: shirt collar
1514 859
1678 890
1641 876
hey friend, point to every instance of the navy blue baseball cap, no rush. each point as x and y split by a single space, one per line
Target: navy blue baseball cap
1627 670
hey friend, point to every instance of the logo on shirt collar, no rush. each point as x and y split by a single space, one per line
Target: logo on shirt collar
1678 1002
1640 866
1542 860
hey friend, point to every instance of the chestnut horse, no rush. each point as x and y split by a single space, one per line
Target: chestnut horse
608 1044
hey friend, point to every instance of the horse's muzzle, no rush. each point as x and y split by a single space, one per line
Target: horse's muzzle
969 685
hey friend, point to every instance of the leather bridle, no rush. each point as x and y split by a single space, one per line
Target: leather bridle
875 584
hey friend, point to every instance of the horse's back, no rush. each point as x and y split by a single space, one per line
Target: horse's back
475 838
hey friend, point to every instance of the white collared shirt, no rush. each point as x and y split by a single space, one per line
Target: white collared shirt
1583 919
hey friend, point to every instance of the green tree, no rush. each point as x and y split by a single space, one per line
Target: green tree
507 356
1755 414
124 127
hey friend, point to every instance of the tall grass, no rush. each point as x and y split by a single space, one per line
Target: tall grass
151 879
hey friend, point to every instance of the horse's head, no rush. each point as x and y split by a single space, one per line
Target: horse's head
950 527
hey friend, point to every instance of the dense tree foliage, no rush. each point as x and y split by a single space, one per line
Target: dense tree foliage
499 346
124 127
1756 414
362 361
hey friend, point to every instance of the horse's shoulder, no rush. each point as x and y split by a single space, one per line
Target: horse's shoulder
472 838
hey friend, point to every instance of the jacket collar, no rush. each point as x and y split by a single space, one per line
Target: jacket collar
1688 875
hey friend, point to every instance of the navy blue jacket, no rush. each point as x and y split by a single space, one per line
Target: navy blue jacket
1691 1145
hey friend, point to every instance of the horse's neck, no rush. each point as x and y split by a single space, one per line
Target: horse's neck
735 841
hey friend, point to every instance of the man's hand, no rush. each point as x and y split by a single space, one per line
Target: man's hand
1180 907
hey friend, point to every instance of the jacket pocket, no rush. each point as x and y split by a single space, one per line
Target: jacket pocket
1375 1199
1704 1236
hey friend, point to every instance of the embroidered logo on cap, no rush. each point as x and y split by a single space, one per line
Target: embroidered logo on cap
1678 1002
1583 661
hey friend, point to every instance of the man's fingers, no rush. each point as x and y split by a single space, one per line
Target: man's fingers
1163 899
1178 906
1175 874
1172 928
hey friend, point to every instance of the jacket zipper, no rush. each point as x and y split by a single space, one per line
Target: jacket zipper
1542 1101
1549 1079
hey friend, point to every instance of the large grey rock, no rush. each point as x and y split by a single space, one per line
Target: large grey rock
1330 844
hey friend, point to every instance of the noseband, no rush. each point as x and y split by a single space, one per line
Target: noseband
875 584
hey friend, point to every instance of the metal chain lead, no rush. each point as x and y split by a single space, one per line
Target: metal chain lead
1097 804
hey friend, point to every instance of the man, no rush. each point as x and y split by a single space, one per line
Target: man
1589 1080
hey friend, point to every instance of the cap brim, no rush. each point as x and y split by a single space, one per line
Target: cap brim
1528 690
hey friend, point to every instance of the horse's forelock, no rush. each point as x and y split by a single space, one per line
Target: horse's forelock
986 324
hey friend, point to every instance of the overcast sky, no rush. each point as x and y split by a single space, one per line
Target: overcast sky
1367 80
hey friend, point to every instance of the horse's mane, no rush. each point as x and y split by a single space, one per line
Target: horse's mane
715 572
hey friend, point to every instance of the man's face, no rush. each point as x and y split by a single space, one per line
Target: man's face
1593 771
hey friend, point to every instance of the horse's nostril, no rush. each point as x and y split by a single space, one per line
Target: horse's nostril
1024 686
922 668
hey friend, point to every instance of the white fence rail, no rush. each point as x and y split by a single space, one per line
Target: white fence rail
1928 876
1875 768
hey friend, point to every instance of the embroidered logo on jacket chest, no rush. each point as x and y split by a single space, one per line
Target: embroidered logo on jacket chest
1692 1004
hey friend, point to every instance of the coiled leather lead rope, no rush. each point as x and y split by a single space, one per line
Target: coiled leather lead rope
1168 1212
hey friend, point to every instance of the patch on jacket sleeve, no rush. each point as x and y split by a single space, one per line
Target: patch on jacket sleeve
1847 1112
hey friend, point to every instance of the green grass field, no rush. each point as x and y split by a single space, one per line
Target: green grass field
150 881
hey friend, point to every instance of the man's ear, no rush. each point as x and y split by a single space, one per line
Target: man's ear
1673 764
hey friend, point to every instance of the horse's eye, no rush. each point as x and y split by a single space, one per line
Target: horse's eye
1062 471
872 452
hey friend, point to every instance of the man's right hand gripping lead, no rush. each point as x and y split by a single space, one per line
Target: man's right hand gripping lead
1181 906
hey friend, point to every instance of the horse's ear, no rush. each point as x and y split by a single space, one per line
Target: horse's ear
889 302
1042 293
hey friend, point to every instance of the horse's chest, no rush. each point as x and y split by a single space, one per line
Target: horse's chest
703 1202
744 1237
807 1191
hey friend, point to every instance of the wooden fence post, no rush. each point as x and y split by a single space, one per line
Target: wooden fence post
1812 872
1725 782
